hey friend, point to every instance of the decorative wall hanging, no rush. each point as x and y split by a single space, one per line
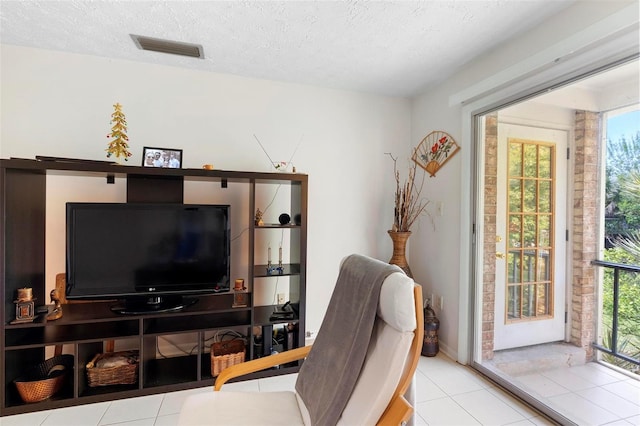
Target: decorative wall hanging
435 150
118 145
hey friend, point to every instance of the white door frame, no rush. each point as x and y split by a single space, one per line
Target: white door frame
584 52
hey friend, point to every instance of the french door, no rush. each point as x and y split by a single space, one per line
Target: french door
530 236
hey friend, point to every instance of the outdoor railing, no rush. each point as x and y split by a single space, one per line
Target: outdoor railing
613 350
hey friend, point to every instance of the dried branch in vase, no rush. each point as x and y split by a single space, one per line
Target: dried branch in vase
409 203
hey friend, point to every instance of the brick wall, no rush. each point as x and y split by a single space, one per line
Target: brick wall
584 235
585 230
489 257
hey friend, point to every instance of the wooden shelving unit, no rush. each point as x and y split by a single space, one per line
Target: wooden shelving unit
84 327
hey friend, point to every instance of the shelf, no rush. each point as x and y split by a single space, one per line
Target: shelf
167 371
261 316
260 271
22 338
277 226
110 390
85 327
86 167
239 317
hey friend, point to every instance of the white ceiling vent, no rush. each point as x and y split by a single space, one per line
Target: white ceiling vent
168 46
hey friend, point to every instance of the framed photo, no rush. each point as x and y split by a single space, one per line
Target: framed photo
162 157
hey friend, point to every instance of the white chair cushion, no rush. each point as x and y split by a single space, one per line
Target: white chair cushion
384 364
396 306
241 409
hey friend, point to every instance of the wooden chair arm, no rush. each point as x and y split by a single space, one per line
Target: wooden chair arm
397 413
260 364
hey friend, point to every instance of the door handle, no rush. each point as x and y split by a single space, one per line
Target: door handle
499 255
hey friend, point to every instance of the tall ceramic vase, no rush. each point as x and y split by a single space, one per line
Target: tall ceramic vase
399 240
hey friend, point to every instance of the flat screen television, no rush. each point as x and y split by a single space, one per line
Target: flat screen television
149 257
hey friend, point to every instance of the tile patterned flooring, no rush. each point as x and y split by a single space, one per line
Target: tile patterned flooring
589 394
447 394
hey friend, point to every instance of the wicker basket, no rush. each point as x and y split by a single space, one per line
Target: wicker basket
119 375
225 354
45 379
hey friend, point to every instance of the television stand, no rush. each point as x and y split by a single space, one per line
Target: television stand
30 204
153 304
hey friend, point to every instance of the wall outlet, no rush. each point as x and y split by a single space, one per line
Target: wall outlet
281 298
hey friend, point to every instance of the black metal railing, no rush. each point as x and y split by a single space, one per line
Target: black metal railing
617 268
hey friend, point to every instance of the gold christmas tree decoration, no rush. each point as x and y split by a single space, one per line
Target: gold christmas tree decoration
118 145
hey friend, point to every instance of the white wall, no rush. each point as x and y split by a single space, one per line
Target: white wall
440 259
60 104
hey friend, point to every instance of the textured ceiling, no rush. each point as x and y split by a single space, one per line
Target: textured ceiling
386 47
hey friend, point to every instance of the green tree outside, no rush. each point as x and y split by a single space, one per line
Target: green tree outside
622 233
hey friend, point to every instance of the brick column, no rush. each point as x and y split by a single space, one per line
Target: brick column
489 249
585 236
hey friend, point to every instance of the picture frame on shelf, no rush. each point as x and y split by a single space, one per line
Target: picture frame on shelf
170 158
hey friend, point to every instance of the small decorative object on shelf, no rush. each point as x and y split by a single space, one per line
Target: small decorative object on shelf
240 298
225 354
284 219
56 313
113 368
208 166
272 270
25 308
281 166
258 220
434 150
119 145
297 219
25 294
45 379
168 158
239 285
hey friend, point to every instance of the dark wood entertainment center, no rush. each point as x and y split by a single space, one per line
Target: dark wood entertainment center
85 327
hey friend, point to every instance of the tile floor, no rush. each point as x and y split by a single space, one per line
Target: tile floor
589 394
447 394
556 374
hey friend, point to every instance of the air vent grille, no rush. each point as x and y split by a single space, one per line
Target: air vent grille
168 46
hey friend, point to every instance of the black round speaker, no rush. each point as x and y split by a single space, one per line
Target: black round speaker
284 219
298 219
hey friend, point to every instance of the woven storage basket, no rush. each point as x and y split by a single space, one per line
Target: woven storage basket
225 354
120 375
45 379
